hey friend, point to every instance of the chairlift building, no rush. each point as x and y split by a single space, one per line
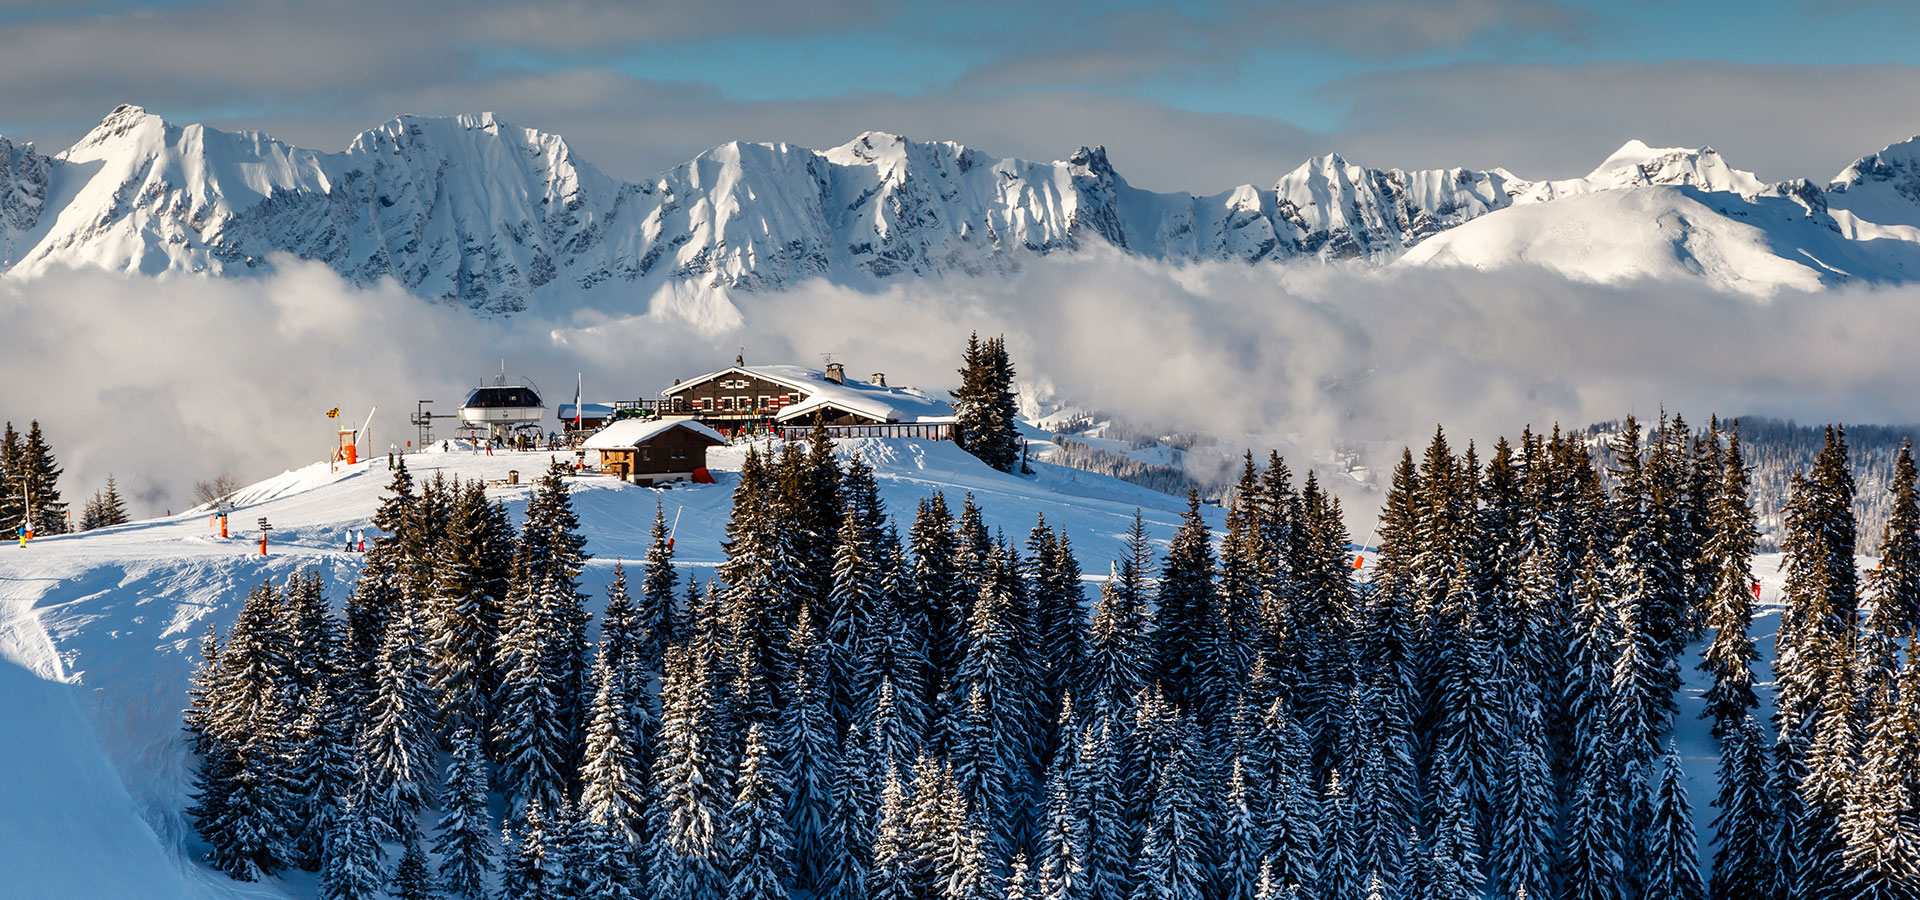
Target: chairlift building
501 408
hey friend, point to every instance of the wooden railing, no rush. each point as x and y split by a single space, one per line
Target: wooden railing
934 432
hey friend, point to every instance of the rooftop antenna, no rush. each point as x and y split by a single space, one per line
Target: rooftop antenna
503 371
741 358
826 359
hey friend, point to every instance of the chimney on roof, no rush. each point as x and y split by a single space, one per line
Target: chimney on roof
879 379
836 373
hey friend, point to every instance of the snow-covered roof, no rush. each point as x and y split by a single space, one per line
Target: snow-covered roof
588 409
633 432
885 404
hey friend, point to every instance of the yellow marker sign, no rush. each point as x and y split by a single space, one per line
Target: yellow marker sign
333 413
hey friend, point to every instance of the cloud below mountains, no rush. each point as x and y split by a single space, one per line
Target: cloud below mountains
167 381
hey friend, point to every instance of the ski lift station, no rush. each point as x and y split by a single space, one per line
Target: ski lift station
500 407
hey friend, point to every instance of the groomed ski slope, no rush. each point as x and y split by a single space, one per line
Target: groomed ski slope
99 632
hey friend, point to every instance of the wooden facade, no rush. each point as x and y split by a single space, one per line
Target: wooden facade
671 455
732 396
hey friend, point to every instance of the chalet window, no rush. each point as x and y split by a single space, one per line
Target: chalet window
765 401
726 402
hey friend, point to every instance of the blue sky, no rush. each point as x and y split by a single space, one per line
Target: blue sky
1190 96
917 51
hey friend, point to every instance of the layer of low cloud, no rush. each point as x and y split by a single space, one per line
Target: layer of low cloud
167 381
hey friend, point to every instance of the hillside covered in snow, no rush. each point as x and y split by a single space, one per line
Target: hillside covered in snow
99 631
503 219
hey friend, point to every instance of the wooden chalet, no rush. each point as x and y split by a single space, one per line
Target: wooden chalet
742 395
655 451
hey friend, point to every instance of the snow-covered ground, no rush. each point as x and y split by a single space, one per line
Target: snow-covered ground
98 631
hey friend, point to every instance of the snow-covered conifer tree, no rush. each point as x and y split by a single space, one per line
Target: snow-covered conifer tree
1730 655
1893 594
1099 789
612 783
688 858
1673 854
398 739
1119 661
809 751
411 878
1526 836
464 841
352 867
1591 861
1742 859
893 875
1340 873
1185 661
1243 843
759 844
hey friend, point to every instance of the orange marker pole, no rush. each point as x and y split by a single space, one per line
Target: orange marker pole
263 545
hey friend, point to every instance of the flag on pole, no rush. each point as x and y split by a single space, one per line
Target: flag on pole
578 378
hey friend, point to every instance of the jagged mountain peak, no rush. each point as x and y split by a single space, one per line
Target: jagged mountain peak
1636 164
1093 160
124 120
1884 165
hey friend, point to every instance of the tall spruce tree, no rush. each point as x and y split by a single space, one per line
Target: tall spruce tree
810 753
37 477
13 498
398 739
1100 789
1730 655
1591 862
463 620
1524 842
1743 861
1893 595
464 840
759 843
1187 664
612 784
1673 853
1119 661
985 413
688 859
352 867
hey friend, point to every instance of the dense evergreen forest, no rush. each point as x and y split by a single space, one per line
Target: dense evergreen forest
946 714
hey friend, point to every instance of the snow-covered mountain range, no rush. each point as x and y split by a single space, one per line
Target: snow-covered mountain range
503 219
